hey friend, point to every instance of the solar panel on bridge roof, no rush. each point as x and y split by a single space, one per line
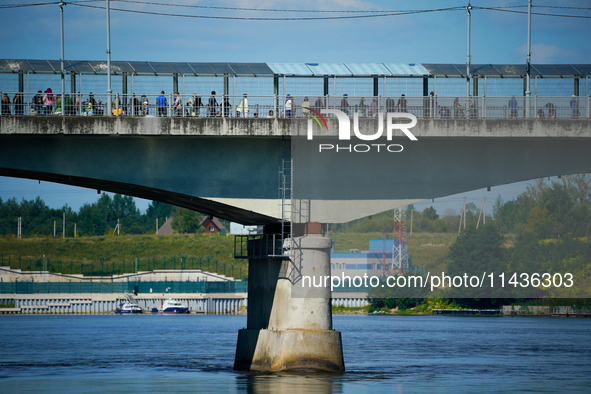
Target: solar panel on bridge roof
15 65
511 69
406 69
546 69
565 69
181 68
79 66
141 67
41 66
329 69
260 69
201 68
121 67
298 69
221 68
484 69
583 69
359 69
161 68
241 69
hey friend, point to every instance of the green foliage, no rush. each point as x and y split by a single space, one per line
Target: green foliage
98 218
185 221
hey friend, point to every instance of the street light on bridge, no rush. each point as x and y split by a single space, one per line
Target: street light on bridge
468 8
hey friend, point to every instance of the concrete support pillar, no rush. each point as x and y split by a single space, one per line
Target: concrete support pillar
124 92
175 83
21 82
289 326
73 83
376 84
226 85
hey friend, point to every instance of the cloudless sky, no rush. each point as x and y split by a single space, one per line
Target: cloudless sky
435 37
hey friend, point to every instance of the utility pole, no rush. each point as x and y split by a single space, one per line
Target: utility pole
482 213
64 226
528 61
468 8
462 216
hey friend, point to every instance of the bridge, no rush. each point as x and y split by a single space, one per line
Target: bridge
265 170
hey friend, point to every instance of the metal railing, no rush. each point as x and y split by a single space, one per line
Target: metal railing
122 287
275 106
259 246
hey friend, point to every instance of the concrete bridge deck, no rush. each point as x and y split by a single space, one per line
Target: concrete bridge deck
229 167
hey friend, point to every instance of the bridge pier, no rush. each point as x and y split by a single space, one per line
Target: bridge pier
289 327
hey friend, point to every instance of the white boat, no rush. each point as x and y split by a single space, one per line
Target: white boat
129 306
171 306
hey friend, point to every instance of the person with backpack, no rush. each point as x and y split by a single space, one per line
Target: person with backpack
48 100
19 104
38 102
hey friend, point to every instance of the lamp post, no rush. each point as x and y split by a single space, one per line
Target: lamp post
468 8
109 91
61 4
528 61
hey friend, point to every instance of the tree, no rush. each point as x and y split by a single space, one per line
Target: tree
185 220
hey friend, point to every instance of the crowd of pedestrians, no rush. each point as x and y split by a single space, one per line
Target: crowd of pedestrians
48 103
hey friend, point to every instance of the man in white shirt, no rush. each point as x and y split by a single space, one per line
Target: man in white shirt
243 107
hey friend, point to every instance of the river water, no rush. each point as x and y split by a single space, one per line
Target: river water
383 354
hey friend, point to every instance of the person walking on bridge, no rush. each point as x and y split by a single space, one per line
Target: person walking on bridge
211 104
513 108
6 104
161 103
19 104
242 108
177 104
38 102
48 101
345 104
402 104
288 105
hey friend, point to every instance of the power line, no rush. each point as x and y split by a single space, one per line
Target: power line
276 19
533 13
251 9
20 5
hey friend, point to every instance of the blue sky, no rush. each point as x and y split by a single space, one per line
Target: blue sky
438 37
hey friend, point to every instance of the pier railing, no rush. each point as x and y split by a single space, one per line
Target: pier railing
122 287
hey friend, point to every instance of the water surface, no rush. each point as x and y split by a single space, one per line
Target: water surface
383 354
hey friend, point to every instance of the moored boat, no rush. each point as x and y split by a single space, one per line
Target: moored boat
171 306
129 306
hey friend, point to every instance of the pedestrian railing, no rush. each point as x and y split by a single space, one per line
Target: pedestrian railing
276 106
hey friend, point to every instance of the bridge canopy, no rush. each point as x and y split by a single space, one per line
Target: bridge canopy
37 66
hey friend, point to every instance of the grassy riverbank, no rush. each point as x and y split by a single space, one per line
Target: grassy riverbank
107 254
